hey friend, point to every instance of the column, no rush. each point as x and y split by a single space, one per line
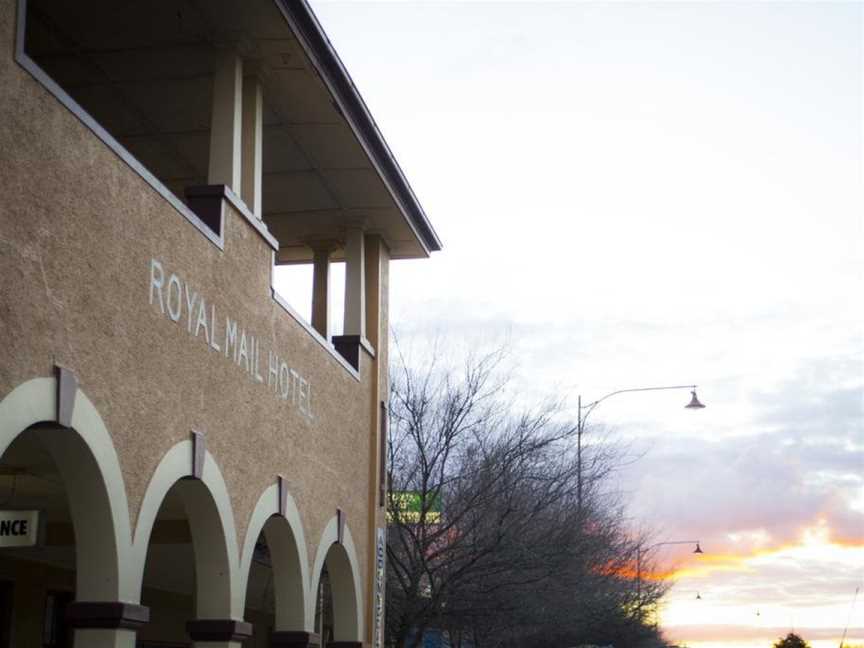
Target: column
106 624
355 283
376 301
105 638
375 287
225 123
253 106
321 287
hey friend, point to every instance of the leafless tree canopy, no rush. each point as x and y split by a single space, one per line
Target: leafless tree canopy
486 543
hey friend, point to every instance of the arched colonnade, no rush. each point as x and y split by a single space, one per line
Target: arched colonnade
111 555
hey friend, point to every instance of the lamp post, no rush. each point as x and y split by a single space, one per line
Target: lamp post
580 426
640 551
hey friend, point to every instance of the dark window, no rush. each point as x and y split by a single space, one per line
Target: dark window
7 592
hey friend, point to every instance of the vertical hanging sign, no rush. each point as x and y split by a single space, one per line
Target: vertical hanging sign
380 581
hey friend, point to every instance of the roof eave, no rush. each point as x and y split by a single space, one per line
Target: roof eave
309 33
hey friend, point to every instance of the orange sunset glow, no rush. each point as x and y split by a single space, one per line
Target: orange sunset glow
738 606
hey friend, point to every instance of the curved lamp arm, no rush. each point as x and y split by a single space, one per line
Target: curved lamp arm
640 551
590 406
672 542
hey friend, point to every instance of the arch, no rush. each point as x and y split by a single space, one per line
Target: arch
287 544
88 462
211 523
343 567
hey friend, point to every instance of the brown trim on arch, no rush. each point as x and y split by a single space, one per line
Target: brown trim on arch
107 615
199 448
288 639
282 489
218 630
67 387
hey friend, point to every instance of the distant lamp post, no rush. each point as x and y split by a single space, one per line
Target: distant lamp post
640 551
694 404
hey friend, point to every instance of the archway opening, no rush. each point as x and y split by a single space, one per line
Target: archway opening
274 591
336 609
187 573
56 536
324 625
261 596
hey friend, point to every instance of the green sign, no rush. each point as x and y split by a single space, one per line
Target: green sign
408 506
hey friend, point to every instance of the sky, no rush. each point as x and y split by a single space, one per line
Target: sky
643 194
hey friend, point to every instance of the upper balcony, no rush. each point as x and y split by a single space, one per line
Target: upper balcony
243 101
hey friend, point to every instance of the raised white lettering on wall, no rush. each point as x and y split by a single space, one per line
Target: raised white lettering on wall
157 277
174 313
213 334
230 337
272 369
202 321
240 345
190 307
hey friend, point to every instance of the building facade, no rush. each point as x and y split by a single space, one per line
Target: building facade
185 459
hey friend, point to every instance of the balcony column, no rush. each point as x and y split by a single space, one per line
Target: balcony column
226 123
321 251
253 106
355 282
376 261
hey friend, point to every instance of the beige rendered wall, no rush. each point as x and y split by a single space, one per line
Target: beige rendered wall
78 232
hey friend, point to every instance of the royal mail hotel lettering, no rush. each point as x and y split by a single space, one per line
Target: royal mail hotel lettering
193 461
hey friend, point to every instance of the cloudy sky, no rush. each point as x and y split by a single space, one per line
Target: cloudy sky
648 194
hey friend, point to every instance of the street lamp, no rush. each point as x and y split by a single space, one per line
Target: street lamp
693 404
640 551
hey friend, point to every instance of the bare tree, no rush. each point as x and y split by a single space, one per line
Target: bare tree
485 538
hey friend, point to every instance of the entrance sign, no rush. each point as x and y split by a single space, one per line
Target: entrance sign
19 528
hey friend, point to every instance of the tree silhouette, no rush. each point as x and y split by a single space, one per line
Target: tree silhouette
486 542
791 640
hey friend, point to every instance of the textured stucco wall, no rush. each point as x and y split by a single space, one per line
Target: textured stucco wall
78 230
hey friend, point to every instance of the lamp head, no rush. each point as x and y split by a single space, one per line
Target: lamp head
698 549
694 402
